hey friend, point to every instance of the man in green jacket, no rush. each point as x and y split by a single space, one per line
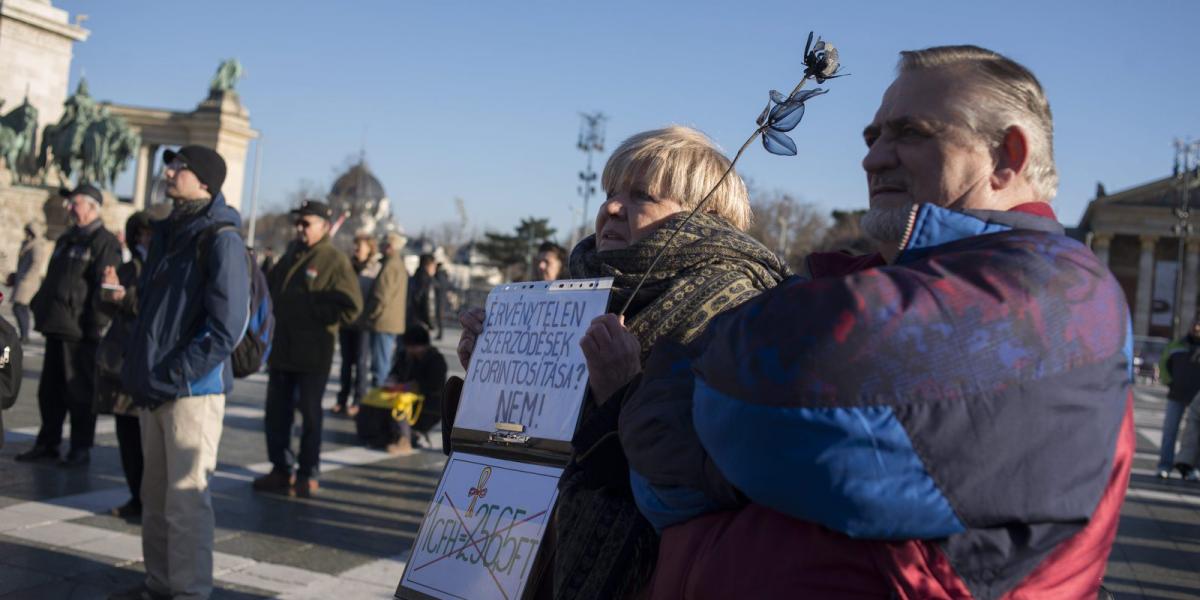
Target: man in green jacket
315 291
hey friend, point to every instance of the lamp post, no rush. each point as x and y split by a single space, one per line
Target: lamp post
1187 155
591 141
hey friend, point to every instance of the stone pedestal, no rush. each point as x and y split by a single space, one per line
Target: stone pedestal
42 204
36 42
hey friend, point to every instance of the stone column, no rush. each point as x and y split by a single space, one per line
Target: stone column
1191 273
141 176
1145 286
1100 244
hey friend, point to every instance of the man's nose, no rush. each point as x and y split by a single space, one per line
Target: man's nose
614 207
881 156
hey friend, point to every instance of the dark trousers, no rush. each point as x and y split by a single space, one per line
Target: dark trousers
129 439
21 312
66 386
355 347
288 392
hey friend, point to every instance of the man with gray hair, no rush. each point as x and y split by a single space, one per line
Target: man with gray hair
66 312
948 418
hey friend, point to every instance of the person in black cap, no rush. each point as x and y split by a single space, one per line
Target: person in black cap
65 310
315 291
193 306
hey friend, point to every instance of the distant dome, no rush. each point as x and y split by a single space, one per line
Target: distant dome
358 183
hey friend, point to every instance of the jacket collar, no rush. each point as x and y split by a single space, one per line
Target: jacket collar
931 226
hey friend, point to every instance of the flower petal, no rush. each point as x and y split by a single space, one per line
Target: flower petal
808 44
786 116
778 143
804 95
777 97
762 117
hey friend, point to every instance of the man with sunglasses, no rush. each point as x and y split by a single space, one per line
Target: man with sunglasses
65 310
315 291
193 306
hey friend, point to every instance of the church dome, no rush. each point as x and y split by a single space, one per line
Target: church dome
358 183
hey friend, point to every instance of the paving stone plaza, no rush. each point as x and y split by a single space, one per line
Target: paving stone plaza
351 541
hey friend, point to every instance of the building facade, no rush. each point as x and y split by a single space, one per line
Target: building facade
1136 233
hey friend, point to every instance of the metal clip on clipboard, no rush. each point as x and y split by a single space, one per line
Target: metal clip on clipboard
509 434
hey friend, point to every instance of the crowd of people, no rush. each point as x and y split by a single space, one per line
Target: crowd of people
949 417
157 339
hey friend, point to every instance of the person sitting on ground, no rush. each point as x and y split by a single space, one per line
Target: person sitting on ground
420 368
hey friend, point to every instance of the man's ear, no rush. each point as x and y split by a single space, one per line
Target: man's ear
1012 158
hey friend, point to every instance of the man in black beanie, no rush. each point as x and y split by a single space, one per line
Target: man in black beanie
193 308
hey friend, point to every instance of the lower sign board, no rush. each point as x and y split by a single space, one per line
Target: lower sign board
482 530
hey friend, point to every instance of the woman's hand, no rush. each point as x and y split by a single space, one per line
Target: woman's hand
613 355
472 324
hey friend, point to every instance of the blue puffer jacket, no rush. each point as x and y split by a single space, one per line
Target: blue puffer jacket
191 315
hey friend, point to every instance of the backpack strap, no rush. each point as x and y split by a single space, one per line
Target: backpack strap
208 237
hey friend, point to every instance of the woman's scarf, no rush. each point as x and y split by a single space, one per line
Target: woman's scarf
604 548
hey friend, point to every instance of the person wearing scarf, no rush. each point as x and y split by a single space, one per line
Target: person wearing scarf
602 547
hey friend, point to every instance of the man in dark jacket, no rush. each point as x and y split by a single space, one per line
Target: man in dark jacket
1180 368
315 291
949 418
193 307
65 311
423 290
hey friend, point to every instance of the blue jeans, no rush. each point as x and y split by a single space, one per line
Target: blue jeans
1170 432
383 345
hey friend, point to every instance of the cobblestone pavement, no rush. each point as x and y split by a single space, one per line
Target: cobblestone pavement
57 541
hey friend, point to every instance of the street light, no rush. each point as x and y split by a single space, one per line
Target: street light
591 140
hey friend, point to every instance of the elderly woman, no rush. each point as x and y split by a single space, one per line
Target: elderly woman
602 546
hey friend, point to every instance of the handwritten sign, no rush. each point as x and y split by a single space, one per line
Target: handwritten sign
482 530
527 367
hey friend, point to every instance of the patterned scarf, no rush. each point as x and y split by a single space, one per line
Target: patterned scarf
604 548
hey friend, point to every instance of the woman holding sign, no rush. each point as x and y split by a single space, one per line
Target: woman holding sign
603 547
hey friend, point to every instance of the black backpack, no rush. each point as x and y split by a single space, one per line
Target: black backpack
252 351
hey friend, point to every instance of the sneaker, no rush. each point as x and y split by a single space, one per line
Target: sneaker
403 447
305 487
421 440
129 510
1192 474
140 592
78 457
275 482
1164 473
38 454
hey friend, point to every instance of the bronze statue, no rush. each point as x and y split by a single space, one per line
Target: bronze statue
226 77
87 140
17 132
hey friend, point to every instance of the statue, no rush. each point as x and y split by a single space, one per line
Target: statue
17 132
87 140
227 75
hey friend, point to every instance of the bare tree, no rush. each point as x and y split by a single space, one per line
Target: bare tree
846 235
787 226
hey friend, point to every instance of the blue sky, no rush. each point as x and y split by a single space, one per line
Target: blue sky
480 100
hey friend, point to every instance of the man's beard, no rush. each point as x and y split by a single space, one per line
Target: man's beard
886 224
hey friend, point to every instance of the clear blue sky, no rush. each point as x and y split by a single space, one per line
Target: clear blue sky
481 99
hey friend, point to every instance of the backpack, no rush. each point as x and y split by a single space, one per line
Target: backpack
252 351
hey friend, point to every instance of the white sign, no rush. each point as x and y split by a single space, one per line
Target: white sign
527 367
482 530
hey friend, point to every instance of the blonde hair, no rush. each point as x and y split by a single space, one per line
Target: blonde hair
682 164
1005 94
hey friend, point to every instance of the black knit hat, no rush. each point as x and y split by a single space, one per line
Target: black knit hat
208 166
86 189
